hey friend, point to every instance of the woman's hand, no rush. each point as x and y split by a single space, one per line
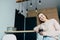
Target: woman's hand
43 33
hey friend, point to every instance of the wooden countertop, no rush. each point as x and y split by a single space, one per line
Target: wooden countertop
21 31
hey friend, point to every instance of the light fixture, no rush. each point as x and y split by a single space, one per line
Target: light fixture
19 12
30 3
22 8
36 6
26 6
39 2
26 9
19 8
36 9
22 11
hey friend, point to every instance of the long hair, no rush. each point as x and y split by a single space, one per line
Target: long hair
39 18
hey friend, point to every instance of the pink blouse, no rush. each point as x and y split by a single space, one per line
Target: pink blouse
50 27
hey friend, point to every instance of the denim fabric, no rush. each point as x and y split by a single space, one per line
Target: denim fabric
48 38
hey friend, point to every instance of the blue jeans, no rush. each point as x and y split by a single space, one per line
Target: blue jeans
48 38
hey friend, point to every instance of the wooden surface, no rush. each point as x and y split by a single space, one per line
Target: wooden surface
17 1
21 31
49 12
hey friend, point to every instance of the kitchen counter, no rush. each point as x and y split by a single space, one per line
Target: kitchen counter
21 31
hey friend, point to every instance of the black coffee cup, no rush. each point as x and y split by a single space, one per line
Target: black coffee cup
40 30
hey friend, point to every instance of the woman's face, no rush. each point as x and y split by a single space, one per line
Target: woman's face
42 17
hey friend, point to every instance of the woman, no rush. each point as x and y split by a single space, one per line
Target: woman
48 28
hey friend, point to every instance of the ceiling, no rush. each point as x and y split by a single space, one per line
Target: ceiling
36 4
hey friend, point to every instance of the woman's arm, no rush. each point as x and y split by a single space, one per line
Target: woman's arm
36 29
54 33
57 27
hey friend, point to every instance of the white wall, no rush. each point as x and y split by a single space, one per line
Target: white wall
7 15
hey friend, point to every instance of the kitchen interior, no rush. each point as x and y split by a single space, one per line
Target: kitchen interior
21 18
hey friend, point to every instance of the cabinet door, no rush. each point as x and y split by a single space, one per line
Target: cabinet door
30 36
30 24
20 36
19 21
19 24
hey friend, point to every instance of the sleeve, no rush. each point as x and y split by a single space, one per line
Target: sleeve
56 25
57 29
36 29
